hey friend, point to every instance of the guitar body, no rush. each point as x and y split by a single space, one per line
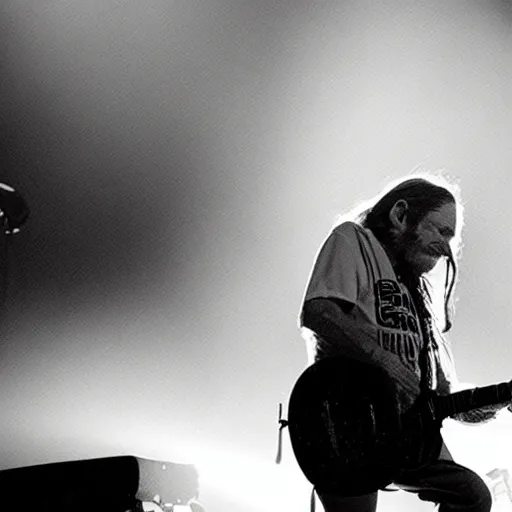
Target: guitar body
348 432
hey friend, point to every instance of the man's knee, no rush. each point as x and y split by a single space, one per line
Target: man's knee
474 496
478 494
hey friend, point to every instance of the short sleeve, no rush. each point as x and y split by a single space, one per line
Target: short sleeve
335 271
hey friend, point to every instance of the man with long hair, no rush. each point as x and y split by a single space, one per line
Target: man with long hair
369 298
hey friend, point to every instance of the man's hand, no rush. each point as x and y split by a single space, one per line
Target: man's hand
477 416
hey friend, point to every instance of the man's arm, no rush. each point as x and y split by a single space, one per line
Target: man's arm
332 321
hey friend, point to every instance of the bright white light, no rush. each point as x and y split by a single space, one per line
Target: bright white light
252 482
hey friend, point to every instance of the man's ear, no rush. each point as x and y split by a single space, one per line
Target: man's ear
398 214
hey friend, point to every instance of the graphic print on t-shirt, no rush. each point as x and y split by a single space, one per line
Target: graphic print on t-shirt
396 314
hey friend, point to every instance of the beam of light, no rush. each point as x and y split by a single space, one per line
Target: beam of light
230 475
252 482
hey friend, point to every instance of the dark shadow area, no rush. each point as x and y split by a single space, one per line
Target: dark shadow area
116 189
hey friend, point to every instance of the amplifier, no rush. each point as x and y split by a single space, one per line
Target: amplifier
111 484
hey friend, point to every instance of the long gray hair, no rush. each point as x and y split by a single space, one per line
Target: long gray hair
423 194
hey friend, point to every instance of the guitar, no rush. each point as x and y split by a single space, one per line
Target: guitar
350 435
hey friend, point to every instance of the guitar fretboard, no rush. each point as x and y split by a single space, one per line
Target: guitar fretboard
470 399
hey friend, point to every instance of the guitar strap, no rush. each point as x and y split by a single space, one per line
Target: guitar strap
421 298
282 424
428 345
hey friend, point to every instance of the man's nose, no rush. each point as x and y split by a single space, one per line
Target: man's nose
445 248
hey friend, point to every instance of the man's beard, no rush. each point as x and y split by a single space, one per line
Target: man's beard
404 247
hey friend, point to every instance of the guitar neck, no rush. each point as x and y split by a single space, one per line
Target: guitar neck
464 401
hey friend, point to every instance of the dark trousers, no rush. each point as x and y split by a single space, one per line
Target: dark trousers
454 487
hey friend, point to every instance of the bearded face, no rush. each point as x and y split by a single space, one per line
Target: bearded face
420 247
